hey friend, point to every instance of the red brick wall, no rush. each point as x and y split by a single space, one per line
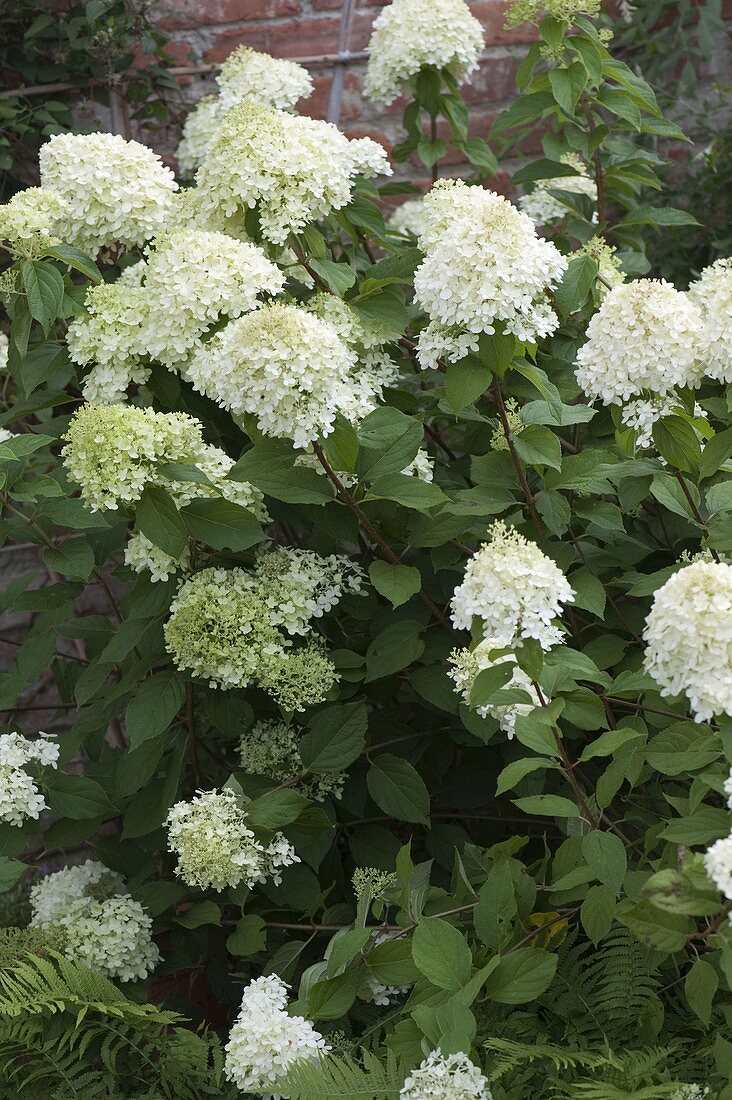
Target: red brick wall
211 29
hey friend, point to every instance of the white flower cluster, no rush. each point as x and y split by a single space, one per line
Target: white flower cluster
114 451
298 586
143 556
227 625
410 35
265 1042
446 1077
4 351
271 749
514 589
216 848
712 293
718 865
272 81
543 208
111 336
643 413
292 168
192 278
32 220
102 927
19 795
117 191
409 217
483 265
467 663
689 637
284 365
420 466
246 74
161 308
645 336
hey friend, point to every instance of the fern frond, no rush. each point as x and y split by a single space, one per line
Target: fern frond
509 1055
53 984
343 1078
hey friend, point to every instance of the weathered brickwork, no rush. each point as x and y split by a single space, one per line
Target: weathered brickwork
211 29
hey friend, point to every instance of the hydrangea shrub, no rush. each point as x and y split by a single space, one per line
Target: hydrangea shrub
382 612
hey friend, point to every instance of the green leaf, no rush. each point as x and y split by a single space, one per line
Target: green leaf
222 524
398 583
597 912
716 451
393 649
572 292
658 215
407 490
703 825
276 809
295 485
44 288
74 257
521 976
160 521
391 963
517 770
427 88
542 169
76 796
339 277
497 906
431 151
490 681
21 445
466 381
153 707
441 953
547 805
332 998
606 857
669 493
335 740
398 789
345 946
681 748
10 872
387 306
589 593
537 446
390 440
73 558
478 152
341 446
656 927
527 108
198 914
677 442
249 937
496 351
568 85
541 381
700 986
